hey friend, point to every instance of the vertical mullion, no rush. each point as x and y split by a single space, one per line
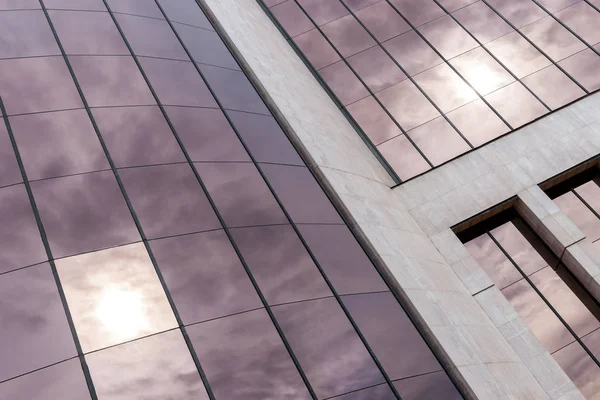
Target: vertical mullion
127 200
40 225
556 313
215 210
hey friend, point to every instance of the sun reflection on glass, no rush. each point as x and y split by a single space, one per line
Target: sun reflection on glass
122 312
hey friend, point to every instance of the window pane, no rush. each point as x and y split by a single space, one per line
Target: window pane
26 34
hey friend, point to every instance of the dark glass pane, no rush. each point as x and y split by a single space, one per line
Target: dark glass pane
493 261
177 83
264 138
427 387
111 81
20 241
343 260
382 21
151 37
19 5
10 173
84 213
376 68
154 368
168 200
58 143
35 332
233 90
316 49
327 347
93 5
30 85
300 194
240 194
244 359
344 83
114 295
137 136
292 18
391 335
380 392
145 8
63 381
323 11
205 47
206 134
88 33
280 264
204 275
418 12
185 11
26 34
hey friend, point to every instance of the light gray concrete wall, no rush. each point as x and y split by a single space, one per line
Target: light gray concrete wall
491 352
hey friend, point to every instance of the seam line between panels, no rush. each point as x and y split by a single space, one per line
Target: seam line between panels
214 208
335 203
591 5
126 198
292 223
372 147
351 68
39 369
537 48
554 17
545 300
50 261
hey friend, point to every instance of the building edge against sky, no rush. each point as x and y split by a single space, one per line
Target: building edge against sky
408 229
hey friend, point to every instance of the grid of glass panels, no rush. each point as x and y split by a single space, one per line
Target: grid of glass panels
559 311
428 80
160 236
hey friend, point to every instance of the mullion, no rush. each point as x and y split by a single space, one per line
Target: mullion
370 255
332 96
127 200
214 208
539 293
345 61
585 203
536 47
288 217
40 225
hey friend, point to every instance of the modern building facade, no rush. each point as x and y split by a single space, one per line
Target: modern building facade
299 199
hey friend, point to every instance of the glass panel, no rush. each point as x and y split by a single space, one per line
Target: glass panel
92 33
481 70
177 83
137 136
445 88
580 214
407 105
518 12
10 173
439 141
26 34
323 11
590 193
382 21
403 157
482 22
376 68
300 194
30 85
83 213
244 358
582 370
516 104
205 46
517 54
430 386
348 36
554 40
111 81
316 49
561 91
535 313
151 37
583 66
185 11
240 194
280 264
264 138
146 8
583 20
168 200
449 38
478 123
93 5
342 259
393 338
373 120
204 276
493 261
154 368
292 18
380 392
58 143
412 53
20 241
344 83
63 381
35 332
206 134
233 90
327 347
418 12
114 296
